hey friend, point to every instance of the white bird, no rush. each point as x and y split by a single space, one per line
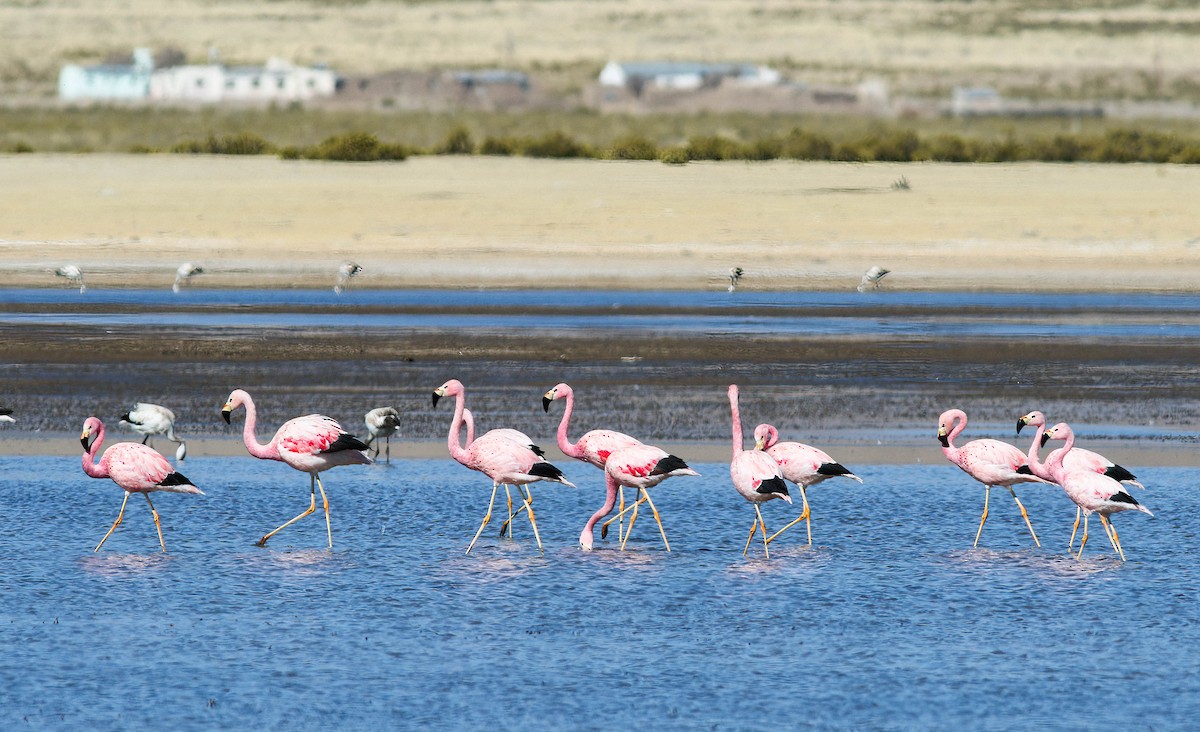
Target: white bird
871 279
73 275
186 271
382 422
735 274
6 415
152 419
345 272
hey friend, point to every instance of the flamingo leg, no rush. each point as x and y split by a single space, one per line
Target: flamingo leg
486 517
604 526
157 523
806 514
1111 530
802 517
654 510
532 521
387 450
632 518
1071 543
325 502
513 514
120 515
987 494
763 525
508 523
1083 541
312 506
1025 515
753 529
620 513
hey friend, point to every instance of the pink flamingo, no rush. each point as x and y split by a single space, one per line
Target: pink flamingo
311 444
1076 459
802 464
497 456
640 467
593 447
756 476
136 468
1092 492
516 436
990 462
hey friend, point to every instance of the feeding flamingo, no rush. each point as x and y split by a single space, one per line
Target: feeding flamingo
497 455
593 447
990 462
382 422
640 467
735 274
73 274
135 468
1091 492
152 419
311 444
186 271
802 464
6 415
870 279
1075 459
755 476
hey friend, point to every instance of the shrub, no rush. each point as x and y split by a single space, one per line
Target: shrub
673 156
632 147
1058 149
946 149
713 147
457 142
894 146
803 145
239 144
356 147
498 146
554 145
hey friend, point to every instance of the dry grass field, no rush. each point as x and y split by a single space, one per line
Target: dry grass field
1063 47
496 222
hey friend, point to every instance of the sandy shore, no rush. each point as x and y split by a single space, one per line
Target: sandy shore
129 221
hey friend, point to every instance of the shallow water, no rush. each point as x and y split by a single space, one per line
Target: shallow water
890 621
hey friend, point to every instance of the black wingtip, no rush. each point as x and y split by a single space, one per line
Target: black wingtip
668 464
773 486
1119 474
546 470
346 441
1123 497
1025 470
833 469
176 479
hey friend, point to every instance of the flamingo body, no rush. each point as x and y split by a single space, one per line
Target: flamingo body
186 271
593 447
635 466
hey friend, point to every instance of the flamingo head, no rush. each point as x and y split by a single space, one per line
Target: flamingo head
1060 431
765 436
947 422
585 540
559 391
1037 419
236 399
453 387
90 426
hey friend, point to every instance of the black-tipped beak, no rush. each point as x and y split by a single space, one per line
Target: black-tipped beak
1045 438
546 403
225 414
125 417
83 440
1020 424
436 396
944 440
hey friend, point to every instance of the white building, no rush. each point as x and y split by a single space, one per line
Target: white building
636 76
108 82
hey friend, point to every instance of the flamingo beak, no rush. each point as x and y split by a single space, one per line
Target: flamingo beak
758 443
226 411
436 396
1045 438
83 440
546 402
1021 423
942 438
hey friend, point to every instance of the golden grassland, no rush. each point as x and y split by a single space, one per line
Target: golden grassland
448 221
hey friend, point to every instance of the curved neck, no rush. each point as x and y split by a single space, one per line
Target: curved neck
610 500
452 439
1034 459
737 422
564 442
253 446
90 466
1054 462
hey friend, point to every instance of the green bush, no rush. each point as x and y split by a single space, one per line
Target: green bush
632 147
233 144
356 147
498 146
893 146
554 145
1058 149
946 149
713 147
803 145
457 142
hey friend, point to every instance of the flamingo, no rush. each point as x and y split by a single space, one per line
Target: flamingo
73 275
346 271
755 476
1076 459
593 447
870 280
735 274
635 466
382 422
990 462
136 468
1092 492
311 444
802 464
152 419
6 415
186 271
497 455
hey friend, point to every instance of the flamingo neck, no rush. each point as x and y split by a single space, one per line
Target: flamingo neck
564 442
737 422
1054 463
253 446
90 466
452 439
610 500
1035 447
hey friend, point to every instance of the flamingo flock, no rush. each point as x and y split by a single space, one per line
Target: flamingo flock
315 443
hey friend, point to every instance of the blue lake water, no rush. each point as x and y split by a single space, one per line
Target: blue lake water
890 621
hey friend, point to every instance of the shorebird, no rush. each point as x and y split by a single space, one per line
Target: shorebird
73 275
152 419
311 444
135 468
755 476
802 464
990 462
382 422
345 273
186 271
871 279
735 274
6 415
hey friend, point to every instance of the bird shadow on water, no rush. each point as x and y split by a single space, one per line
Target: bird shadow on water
124 565
1038 562
298 561
803 559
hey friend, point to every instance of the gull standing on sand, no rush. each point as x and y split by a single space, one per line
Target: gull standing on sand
73 275
990 462
1074 459
755 476
186 271
347 271
135 468
871 279
382 422
497 455
1091 492
311 444
152 419
802 464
